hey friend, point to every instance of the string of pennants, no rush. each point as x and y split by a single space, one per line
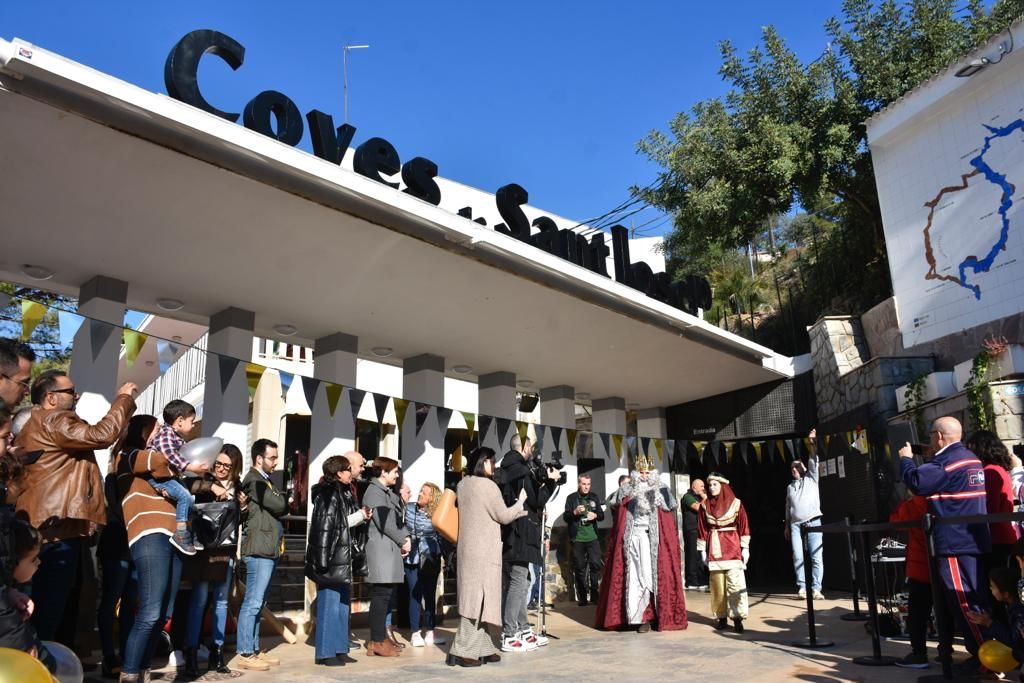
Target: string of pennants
670 454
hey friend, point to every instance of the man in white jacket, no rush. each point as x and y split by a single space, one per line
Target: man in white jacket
803 504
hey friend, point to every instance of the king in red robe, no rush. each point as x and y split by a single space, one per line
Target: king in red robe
642 584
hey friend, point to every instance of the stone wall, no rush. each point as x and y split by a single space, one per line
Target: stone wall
837 347
882 329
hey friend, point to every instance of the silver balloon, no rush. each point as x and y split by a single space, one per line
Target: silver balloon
203 450
69 666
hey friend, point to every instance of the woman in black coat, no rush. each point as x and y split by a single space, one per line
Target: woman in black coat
329 557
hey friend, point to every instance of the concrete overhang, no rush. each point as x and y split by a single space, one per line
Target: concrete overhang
102 177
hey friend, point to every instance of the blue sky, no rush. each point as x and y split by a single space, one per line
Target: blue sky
551 95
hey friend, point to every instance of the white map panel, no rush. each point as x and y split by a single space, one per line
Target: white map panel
951 187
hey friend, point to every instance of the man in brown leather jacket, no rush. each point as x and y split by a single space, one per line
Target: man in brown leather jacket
63 492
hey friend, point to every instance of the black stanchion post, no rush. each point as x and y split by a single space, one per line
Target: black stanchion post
855 560
876 658
811 642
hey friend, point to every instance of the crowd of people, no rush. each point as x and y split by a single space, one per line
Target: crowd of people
364 524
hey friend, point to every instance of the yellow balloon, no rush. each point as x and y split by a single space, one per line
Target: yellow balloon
997 657
21 667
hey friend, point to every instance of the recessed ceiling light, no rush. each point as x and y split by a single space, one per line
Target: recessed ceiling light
382 351
462 369
170 304
285 330
525 382
176 338
36 272
149 363
583 396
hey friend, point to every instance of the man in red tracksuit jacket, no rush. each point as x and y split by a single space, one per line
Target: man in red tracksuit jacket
953 482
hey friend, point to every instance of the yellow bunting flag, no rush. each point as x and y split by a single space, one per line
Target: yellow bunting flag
827 438
780 448
133 342
253 374
470 419
333 396
401 405
757 449
729 451
659 447
807 445
570 435
699 445
617 441
32 313
523 428
888 452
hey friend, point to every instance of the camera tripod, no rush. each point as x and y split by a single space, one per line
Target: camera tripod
542 627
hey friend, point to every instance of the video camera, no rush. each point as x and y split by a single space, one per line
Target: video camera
540 469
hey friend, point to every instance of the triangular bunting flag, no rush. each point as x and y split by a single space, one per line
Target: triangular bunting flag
645 445
380 404
69 323
32 313
401 406
556 438
780 448
570 436
888 451
757 450
808 445
631 443
523 428
485 422
728 451
253 375
617 441
227 370
422 411
333 396
469 418
165 354
355 400
310 385
444 416
133 343
539 433
659 448
606 442
286 382
699 446
504 425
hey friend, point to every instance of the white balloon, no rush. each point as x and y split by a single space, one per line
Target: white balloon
203 450
69 666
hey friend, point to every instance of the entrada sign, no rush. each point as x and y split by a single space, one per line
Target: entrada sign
377 157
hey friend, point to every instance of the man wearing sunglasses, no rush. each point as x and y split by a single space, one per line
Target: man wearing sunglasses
63 495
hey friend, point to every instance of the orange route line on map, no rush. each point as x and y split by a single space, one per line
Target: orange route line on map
933 274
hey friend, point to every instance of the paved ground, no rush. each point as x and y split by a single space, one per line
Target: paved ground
584 654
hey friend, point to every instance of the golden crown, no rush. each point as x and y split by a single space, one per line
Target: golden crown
643 463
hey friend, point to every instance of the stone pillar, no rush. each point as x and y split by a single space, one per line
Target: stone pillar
610 418
226 393
497 398
97 348
423 453
837 347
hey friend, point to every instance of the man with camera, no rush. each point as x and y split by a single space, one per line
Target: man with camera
522 539
583 510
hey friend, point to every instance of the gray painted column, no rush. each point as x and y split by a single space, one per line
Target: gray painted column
610 418
651 423
97 348
423 454
334 360
497 398
226 393
558 409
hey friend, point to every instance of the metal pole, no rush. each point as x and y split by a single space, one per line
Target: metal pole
344 71
857 615
876 658
811 642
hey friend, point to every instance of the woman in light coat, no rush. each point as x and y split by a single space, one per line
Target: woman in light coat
481 514
386 544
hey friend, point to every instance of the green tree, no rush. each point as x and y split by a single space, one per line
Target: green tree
789 135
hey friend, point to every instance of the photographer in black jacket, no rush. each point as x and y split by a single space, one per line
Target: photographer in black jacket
583 510
522 540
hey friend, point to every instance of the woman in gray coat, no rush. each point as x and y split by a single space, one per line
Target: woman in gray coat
482 512
386 544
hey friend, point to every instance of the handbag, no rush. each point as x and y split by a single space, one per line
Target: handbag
216 524
446 517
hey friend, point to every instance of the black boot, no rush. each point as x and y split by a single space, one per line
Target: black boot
191 663
737 625
216 661
722 624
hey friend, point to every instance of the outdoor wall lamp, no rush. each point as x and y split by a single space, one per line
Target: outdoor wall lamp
976 65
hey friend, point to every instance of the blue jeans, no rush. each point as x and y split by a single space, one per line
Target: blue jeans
535 572
197 608
53 583
155 563
332 607
814 544
258 572
422 598
179 494
118 584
